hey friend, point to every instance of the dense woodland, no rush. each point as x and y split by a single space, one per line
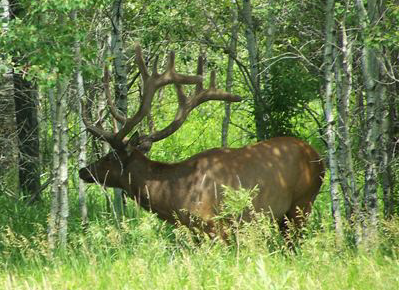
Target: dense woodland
326 72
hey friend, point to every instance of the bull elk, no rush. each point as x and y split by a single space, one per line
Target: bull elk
287 171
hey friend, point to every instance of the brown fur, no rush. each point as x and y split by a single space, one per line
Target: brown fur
287 171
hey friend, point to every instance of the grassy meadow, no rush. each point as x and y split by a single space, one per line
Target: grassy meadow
144 253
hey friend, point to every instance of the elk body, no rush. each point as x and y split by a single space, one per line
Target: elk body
287 171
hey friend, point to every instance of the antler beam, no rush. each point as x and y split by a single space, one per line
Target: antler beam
186 105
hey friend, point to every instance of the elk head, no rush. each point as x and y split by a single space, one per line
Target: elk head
107 170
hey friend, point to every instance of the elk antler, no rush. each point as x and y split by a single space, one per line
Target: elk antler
186 105
151 83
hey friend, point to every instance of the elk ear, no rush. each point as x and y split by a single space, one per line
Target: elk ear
132 143
140 143
134 139
145 146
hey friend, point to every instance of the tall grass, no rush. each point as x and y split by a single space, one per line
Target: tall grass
148 254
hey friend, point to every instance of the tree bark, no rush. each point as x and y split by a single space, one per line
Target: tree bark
59 212
330 41
82 159
386 147
82 128
390 141
119 62
230 75
63 169
25 98
260 111
119 58
8 138
374 87
53 222
343 75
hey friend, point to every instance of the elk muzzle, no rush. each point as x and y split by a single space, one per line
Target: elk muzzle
86 175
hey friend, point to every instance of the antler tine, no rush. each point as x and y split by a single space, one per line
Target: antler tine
96 129
140 62
98 132
155 66
200 71
110 103
212 82
181 96
170 76
212 93
180 116
171 62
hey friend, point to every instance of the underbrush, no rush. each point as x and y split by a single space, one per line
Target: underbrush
145 253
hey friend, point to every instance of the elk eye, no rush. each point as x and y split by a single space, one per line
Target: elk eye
112 156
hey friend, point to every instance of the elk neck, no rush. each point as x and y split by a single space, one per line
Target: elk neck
156 186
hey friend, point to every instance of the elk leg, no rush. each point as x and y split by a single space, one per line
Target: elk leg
295 218
298 213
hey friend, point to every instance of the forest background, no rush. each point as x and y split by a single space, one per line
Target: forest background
324 71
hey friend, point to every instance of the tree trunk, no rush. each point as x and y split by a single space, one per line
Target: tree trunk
343 73
120 82
341 131
260 111
8 138
119 57
59 204
25 97
371 77
63 169
82 135
328 61
387 140
391 198
53 222
82 159
230 75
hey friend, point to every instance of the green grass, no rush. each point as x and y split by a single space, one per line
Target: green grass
148 254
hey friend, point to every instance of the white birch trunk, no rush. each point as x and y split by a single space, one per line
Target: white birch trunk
82 159
63 166
252 47
230 75
120 81
270 39
370 69
251 43
343 65
329 111
390 196
118 56
82 135
59 204
53 222
386 149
